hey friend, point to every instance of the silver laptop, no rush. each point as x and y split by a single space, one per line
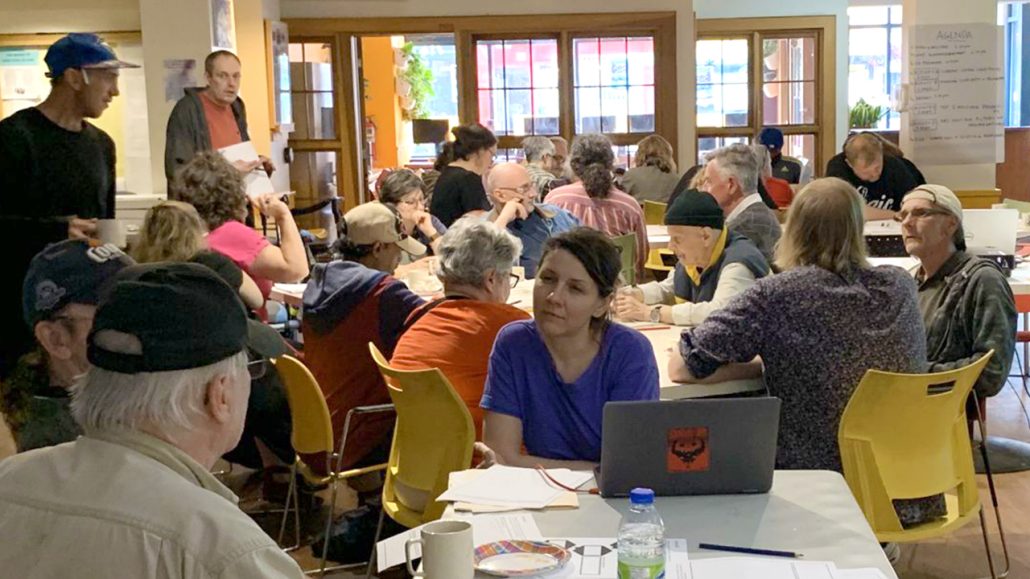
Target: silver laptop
689 447
993 229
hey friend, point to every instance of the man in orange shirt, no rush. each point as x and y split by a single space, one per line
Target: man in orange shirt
209 118
456 333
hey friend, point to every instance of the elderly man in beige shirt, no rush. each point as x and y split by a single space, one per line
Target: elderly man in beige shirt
166 396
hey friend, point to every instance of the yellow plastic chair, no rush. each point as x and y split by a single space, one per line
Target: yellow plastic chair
656 265
904 436
433 438
628 252
654 212
312 433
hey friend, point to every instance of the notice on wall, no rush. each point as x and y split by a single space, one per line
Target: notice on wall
956 108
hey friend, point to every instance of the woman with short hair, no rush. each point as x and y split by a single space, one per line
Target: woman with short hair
215 188
403 189
456 333
818 326
595 200
551 376
459 188
653 176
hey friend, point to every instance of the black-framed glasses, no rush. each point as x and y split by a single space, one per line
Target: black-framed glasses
514 279
257 368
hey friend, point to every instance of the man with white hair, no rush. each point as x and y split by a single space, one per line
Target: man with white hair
732 178
514 197
165 397
539 152
966 302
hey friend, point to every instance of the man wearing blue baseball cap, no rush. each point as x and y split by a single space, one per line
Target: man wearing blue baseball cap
57 173
783 167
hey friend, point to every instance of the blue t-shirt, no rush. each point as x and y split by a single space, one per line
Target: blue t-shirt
536 229
563 421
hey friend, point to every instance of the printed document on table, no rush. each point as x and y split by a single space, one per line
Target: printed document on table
257 181
485 529
517 487
761 568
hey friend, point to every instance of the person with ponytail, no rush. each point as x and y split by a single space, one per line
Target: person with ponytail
593 198
459 188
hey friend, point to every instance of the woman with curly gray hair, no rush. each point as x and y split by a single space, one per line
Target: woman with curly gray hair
456 333
215 188
593 198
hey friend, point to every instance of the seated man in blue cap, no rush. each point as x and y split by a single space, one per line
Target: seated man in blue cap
165 395
715 265
783 166
57 174
61 292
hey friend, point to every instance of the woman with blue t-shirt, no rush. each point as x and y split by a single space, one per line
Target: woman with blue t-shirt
550 377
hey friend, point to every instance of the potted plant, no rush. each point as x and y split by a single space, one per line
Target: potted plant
865 116
419 78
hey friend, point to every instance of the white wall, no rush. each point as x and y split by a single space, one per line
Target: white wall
763 9
40 16
410 8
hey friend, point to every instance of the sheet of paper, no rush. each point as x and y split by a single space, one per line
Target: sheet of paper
761 568
865 573
257 181
515 487
290 288
568 500
485 529
598 559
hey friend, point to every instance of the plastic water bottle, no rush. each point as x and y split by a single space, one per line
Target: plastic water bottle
641 539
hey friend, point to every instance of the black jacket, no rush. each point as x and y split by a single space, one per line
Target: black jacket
187 131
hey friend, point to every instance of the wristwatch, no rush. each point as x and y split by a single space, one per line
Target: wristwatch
656 314
434 236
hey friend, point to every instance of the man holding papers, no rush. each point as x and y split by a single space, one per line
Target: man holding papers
212 117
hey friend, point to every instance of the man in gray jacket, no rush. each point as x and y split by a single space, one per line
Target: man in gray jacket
212 117
966 302
732 174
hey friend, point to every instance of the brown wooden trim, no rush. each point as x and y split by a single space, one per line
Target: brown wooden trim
45 40
465 56
350 171
315 145
715 26
666 105
524 23
566 91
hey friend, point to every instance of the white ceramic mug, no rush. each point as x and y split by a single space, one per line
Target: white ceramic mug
446 551
111 231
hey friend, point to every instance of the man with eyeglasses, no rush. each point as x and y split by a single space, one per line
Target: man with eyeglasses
514 197
210 117
164 397
966 302
57 170
61 291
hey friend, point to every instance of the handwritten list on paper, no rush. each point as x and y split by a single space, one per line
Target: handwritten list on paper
957 110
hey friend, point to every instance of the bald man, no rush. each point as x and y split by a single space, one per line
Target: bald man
513 194
883 180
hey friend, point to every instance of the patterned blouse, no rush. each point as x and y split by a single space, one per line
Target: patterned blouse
817 333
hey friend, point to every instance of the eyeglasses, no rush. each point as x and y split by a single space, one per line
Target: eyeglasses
514 279
257 368
520 190
918 213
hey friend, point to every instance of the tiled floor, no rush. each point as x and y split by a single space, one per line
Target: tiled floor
958 556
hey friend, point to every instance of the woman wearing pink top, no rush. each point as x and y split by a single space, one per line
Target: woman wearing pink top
215 188
593 198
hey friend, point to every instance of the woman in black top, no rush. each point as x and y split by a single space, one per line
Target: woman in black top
459 189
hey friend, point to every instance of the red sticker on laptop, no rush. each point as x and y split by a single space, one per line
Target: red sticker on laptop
687 450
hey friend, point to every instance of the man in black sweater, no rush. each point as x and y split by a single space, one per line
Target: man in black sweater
57 173
883 180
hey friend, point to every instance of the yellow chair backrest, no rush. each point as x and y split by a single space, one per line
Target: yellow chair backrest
312 426
628 252
654 212
655 261
904 436
433 438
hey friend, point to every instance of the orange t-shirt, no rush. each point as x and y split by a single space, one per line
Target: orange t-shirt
221 123
780 191
456 336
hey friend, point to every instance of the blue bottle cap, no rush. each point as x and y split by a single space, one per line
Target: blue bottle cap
641 496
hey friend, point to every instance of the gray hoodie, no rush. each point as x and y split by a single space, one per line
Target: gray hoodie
187 132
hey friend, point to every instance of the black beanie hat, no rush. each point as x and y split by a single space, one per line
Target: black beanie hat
695 208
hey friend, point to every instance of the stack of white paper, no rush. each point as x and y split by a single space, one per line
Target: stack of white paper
506 486
770 568
257 181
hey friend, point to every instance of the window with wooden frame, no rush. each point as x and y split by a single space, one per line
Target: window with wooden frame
762 72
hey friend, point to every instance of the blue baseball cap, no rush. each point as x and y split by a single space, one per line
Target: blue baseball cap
81 50
73 271
771 137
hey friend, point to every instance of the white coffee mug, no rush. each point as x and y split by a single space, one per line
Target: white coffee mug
446 551
111 231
